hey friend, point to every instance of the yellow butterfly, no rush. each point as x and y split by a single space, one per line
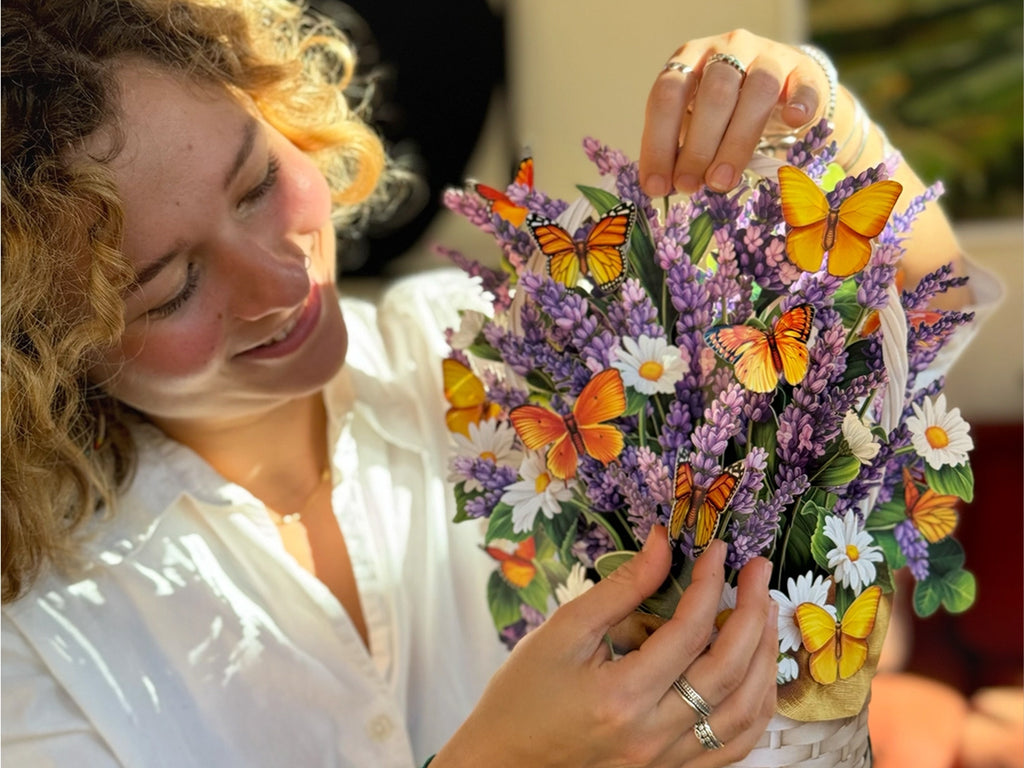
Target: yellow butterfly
600 256
844 232
838 648
464 390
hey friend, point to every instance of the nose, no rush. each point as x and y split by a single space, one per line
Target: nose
268 281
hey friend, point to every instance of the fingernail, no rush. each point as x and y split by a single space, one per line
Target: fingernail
800 108
766 573
722 177
687 183
657 186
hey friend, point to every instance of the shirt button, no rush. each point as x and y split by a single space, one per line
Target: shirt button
380 727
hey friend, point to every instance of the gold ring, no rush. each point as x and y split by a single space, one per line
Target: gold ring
732 61
706 737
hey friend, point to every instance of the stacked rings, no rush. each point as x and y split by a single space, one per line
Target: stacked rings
706 737
732 61
691 697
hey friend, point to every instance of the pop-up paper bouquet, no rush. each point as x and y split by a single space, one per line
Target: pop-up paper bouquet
743 366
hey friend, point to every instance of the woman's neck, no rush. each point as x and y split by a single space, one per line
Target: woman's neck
278 455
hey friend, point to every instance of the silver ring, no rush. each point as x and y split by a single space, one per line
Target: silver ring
691 697
706 737
678 66
728 58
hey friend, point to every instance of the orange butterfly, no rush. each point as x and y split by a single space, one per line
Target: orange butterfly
600 257
758 356
500 203
700 509
603 398
844 232
915 317
467 396
933 514
838 648
517 568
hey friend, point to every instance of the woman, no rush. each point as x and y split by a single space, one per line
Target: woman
271 575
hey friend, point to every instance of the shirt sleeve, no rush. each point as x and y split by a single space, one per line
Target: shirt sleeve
40 725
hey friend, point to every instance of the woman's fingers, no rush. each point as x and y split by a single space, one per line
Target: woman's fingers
707 112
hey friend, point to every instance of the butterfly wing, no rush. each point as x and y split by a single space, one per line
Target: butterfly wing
500 202
605 248
466 394
517 568
818 630
934 515
559 248
603 398
862 216
791 332
806 211
716 501
537 426
683 497
857 623
748 350
524 173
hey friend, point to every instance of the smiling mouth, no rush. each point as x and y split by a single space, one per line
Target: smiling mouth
286 329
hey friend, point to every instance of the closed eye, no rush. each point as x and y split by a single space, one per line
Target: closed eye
266 184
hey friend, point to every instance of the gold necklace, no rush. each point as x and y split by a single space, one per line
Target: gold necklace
295 517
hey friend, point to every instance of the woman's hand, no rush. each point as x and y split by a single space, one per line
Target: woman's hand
706 112
562 700
718 96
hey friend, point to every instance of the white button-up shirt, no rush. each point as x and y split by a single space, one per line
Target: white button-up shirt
191 637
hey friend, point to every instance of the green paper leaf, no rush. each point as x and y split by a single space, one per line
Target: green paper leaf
635 402
461 497
483 351
887 516
840 471
945 556
503 601
857 362
845 303
608 562
801 534
701 232
961 588
602 200
765 435
536 592
894 556
559 526
499 525
820 543
951 480
927 597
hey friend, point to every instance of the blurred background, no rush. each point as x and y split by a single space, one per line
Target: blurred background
463 89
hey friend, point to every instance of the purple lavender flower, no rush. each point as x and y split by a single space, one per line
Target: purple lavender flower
608 161
633 314
592 541
914 548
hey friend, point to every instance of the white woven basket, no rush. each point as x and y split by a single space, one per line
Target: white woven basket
789 743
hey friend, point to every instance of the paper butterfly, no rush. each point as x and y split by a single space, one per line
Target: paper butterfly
500 202
600 256
915 317
933 514
759 356
517 568
701 509
603 398
838 648
844 232
466 394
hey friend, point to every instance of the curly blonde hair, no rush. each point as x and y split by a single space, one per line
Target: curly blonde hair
67 448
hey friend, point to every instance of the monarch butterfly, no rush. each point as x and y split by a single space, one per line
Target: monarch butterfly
845 232
466 394
500 203
759 356
600 256
701 509
603 398
517 567
838 648
933 514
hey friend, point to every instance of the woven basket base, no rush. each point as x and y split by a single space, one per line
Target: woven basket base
789 743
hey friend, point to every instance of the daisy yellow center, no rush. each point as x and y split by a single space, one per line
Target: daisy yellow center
542 482
852 552
936 437
489 455
651 370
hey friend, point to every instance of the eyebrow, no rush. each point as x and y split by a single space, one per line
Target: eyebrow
244 150
152 270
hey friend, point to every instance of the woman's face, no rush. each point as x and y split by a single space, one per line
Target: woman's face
227 226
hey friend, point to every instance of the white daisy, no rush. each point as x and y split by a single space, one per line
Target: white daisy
853 558
649 365
537 491
787 671
490 440
807 588
859 438
470 325
574 586
939 436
